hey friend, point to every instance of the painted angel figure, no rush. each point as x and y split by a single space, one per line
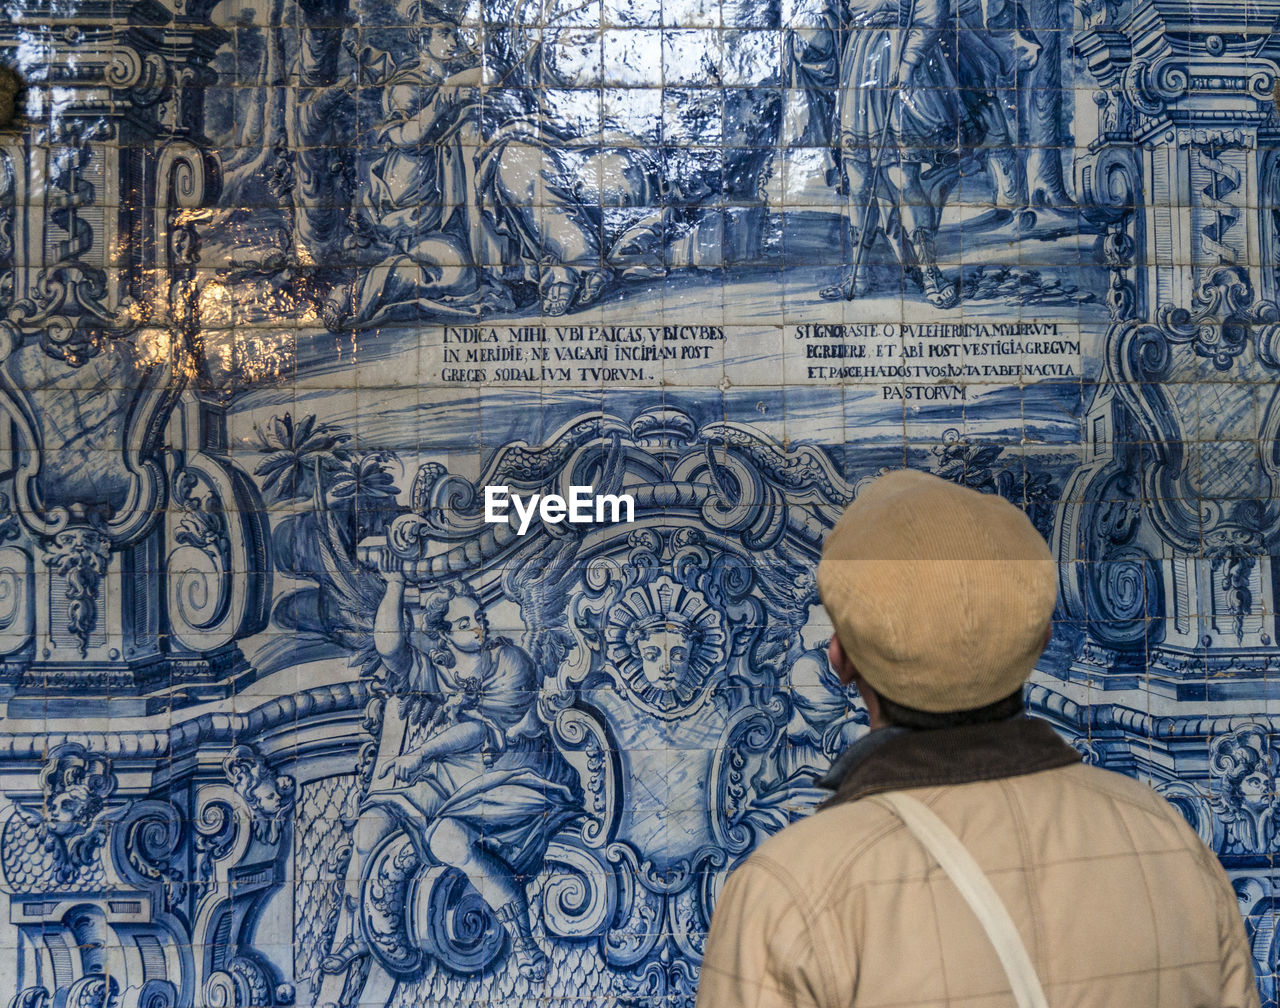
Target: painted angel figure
464 767
1245 799
825 718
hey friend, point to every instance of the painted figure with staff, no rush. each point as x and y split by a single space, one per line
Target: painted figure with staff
904 111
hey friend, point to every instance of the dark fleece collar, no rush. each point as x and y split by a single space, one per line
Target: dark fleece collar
894 759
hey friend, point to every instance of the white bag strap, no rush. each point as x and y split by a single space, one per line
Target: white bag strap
938 839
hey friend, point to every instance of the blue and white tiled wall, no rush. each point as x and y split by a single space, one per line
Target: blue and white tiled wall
286 284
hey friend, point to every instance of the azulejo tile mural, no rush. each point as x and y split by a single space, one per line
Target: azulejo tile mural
422 419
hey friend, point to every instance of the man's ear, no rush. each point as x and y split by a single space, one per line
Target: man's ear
848 675
844 669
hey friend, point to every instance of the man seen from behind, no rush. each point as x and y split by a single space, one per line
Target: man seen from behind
941 600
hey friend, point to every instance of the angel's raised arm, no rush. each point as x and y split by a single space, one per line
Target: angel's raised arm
388 626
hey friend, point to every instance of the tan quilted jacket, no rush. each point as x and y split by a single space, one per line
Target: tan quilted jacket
1118 902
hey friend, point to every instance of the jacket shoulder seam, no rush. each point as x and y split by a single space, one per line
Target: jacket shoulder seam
808 909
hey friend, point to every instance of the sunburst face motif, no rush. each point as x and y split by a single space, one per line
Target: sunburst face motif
666 647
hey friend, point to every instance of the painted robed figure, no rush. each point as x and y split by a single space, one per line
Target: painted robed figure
421 218
919 84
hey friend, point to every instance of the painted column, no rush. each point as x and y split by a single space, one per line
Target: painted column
102 191
1165 531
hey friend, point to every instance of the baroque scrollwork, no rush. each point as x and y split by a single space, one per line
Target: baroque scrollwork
146 839
1153 84
94 991
8 207
1224 319
157 993
1120 583
1111 184
80 556
30 997
185 181
1233 557
451 924
243 984
202 523
199 568
216 829
70 308
1224 322
218 567
660 646
144 75
1118 251
67 308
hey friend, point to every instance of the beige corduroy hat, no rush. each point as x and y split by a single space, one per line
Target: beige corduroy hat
940 595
